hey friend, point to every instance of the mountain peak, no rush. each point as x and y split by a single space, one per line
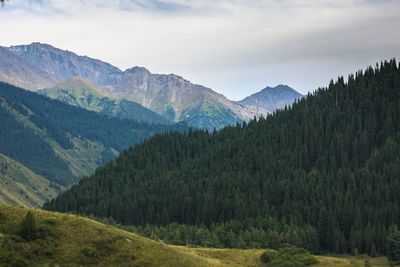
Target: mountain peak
272 98
32 47
138 69
279 87
60 65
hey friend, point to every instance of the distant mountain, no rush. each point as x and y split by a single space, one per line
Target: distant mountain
62 142
21 72
169 95
21 186
180 100
272 98
60 65
81 93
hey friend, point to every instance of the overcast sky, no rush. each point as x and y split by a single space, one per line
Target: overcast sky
235 47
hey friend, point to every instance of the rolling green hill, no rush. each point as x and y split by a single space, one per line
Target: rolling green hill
67 240
322 174
22 187
81 93
62 142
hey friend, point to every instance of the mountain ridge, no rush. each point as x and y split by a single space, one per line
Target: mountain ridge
80 92
169 95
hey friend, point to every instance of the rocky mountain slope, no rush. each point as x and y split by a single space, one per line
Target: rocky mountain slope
272 98
81 93
21 72
169 95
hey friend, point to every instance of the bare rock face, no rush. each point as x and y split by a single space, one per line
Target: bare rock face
37 66
18 71
62 65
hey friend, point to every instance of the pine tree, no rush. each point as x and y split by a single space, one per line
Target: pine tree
393 246
27 227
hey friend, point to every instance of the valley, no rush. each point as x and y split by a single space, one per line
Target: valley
61 142
181 133
200 198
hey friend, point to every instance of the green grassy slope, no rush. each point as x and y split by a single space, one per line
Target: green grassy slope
81 93
21 186
78 241
70 240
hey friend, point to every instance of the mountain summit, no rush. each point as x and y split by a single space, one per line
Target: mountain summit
37 66
272 98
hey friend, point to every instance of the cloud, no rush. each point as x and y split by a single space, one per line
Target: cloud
235 47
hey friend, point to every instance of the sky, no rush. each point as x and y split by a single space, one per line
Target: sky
235 47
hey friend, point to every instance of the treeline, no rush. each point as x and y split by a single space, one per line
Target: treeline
330 162
249 233
254 233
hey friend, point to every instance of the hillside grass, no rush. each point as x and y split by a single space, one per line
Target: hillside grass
20 186
71 240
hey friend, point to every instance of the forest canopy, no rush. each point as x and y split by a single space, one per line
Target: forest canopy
327 166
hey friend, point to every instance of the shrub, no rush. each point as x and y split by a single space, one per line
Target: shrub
292 257
45 231
89 255
104 246
12 259
2 216
27 228
268 256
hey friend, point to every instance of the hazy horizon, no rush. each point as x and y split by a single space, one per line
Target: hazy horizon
234 47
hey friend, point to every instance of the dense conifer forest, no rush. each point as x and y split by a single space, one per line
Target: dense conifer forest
326 170
21 111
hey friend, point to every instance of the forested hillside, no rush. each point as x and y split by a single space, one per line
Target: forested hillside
62 142
324 172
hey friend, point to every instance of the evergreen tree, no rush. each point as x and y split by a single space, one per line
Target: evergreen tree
393 246
27 227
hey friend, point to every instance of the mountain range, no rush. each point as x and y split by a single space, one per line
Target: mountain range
39 66
50 143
